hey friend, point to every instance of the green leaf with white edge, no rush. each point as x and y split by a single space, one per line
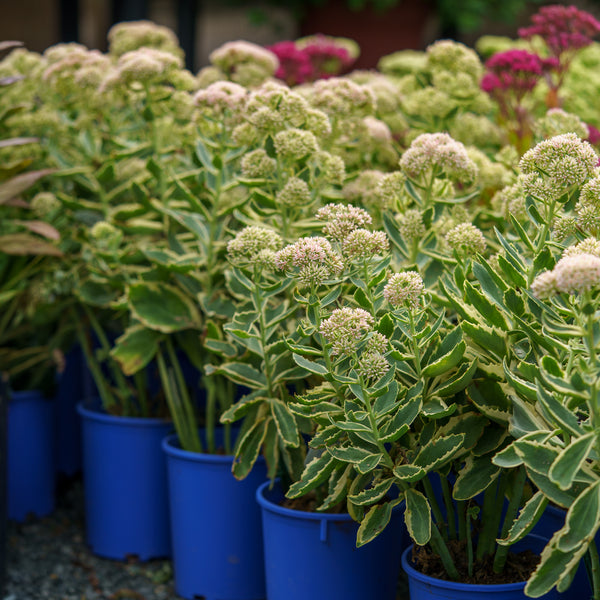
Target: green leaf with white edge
567 464
369 463
554 566
372 494
242 406
554 494
96 293
309 365
409 473
439 451
526 520
316 471
582 521
337 486
507 458
286 423
474 477
162 307
417 517
136 348
436 408
491 283
562 386
490 399
374 522
536 456
387 401
449 360
524 388
350 454
248 448
224 349
490 339
400 423
559 413
459 381
240 373
485 308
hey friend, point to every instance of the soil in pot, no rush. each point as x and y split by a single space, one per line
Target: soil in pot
519 566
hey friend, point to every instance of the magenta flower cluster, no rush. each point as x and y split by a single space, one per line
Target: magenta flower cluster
320 58
517 70
563 28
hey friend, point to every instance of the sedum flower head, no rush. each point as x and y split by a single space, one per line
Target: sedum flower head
564 227
221 96
362 243
258 164
438 152
377 129
43 203
404 290
131 35
372 366
254 245
312 260
342 98
453 57
331 167
557 121
295 192
295 143
544 285
590 194
475 130
244 62
411 226
466 239
106 236
345 328
429 103
588 246
342 219
364 189
146 65
588 218
564 160
577 273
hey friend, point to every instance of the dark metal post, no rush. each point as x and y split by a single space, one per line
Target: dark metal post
69 20
186 28
129 10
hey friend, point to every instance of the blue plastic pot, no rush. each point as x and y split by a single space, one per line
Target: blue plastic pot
215 526
314 555
424 587
30 470
125 484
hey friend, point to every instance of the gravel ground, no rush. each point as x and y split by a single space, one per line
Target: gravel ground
49 560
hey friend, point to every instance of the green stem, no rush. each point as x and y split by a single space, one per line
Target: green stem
184 426
141 387
414 344
520 477
438 545
374 429
450 518
435 507
491 515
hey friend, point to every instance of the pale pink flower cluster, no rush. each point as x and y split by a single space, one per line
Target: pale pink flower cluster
377 129
365 189
573 274
312 260
404 290
221 96
131 35
146 65
236 56
342 219
73 65
362 243
345 328
438 152
563 160
557 121
590 245
342 98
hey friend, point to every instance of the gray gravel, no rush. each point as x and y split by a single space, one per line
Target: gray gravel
48 560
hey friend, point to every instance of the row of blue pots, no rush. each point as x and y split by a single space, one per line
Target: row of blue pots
218 525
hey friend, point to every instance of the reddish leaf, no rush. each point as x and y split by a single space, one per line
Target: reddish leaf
13 187
23 244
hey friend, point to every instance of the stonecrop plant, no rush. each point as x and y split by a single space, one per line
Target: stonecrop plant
383 282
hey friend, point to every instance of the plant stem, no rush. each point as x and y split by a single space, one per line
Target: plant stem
450 518
435 508
594 569
438 545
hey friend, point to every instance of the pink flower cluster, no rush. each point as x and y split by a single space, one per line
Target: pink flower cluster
517 70
320 58
563 28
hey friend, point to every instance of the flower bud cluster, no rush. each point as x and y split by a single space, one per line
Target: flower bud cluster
365 244
346 328
257 164
590 245
295 143
342 219
106 236
438 152
312 260
295 192
256 246
220 97
563 161
372 366
573 274
411 227
147 65
331 167
131 35
404 290
43 203
244 62
466 239
341 98
557 121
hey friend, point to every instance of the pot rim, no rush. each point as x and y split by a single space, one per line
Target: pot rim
92 410
459 585
168 445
